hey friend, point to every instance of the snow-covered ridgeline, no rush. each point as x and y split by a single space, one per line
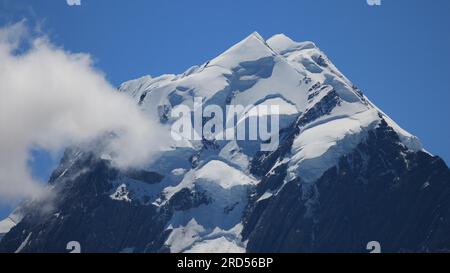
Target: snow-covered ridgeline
296 76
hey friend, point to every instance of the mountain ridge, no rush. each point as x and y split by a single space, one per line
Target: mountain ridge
227 195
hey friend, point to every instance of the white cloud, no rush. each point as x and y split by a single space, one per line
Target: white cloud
50 98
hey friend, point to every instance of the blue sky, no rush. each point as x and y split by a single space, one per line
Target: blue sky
397 53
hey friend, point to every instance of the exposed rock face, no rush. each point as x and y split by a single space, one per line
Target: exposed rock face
380 192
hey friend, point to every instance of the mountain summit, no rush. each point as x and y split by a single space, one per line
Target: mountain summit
344 174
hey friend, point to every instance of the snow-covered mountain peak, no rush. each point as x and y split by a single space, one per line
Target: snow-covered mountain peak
226 195
251 48
253 71
283 44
